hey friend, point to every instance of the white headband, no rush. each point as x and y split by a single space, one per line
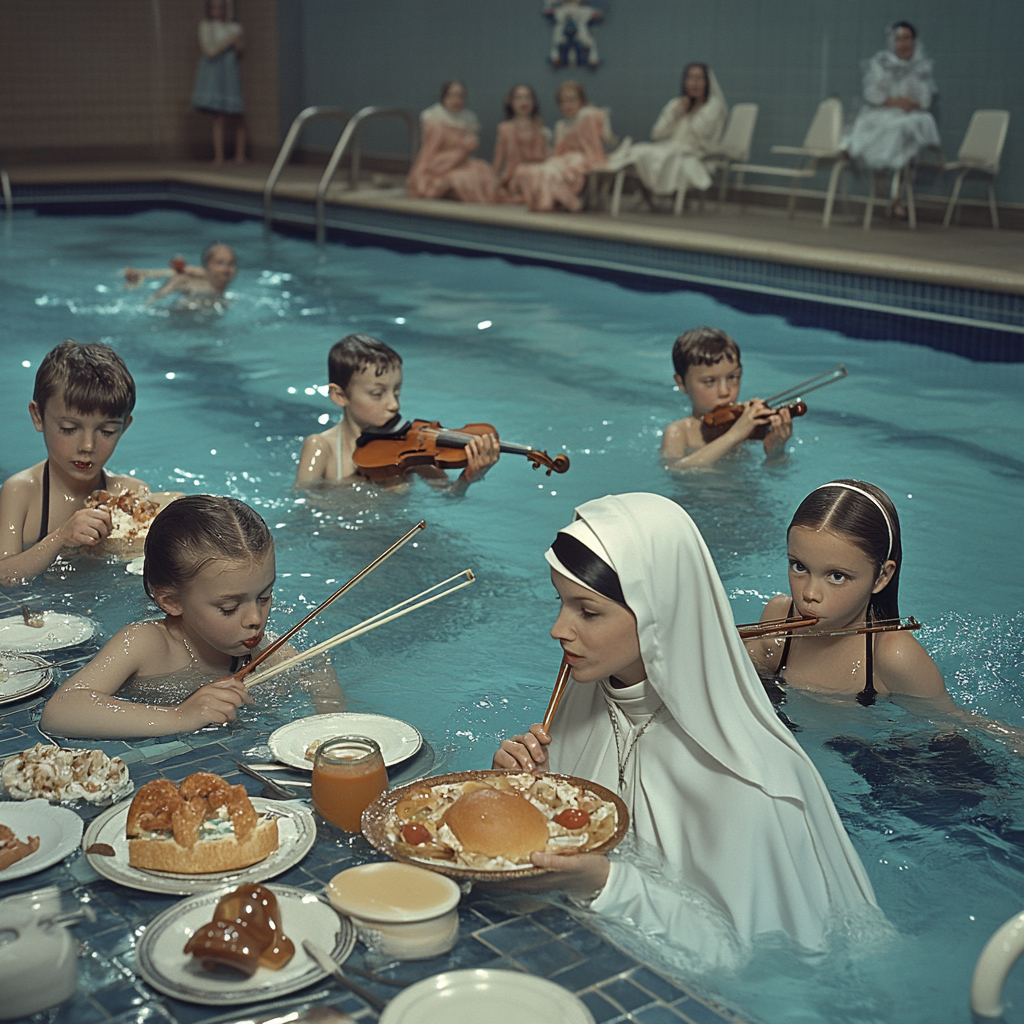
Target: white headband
874 501
579 530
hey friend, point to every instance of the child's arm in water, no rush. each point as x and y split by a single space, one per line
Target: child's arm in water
683 446
85 705
316 455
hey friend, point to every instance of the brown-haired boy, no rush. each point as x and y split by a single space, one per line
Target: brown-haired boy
198 286
708 371
366 381
82 404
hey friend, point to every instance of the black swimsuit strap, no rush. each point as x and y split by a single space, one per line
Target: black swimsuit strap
789 640
44 516
867 695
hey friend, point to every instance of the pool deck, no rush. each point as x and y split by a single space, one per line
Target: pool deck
977 258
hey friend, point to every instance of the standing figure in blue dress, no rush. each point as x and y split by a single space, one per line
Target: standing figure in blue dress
218 89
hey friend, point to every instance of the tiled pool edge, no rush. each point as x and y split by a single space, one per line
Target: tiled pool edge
980 325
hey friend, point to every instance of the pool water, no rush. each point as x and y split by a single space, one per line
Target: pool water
574 364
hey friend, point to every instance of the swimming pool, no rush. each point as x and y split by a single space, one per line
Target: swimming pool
581 363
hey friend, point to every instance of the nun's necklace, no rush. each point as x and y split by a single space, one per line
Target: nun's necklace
623 762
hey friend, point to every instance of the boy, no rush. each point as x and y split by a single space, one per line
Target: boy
708 370
82 404
365 381
199 286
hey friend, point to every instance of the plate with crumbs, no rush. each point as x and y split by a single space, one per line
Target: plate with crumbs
59 630
163 963
296 834
295 743
22 675
59 831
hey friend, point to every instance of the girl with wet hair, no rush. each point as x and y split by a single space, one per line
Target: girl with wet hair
210 569
845 553
522 137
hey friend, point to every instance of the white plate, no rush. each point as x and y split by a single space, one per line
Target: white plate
59 830
469 997
31 676
168 969
296 831
398 740
59 629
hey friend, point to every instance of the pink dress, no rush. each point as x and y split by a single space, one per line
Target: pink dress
579 148
444 166
517 147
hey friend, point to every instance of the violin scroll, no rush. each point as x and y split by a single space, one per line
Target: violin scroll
558 464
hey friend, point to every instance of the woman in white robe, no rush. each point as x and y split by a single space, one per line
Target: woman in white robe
665 708
687 130
898 88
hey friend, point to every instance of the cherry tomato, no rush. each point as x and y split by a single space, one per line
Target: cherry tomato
415 833
178 264
572 819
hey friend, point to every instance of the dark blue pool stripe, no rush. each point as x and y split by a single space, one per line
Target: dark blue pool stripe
979 325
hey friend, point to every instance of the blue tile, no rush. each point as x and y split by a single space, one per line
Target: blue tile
659 1015
586 941
626 994
548 958
593 971
656 984
119 998
513 936
600 1008
699 1013
79 1009
555 919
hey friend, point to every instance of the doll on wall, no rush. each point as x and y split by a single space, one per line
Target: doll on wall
444 167
522 137
218 88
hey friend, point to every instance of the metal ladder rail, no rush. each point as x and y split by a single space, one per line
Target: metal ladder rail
350 137
285 152
5 183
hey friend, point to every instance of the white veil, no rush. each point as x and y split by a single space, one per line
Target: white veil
719 785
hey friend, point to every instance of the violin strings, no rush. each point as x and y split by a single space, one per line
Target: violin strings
380 619
365 571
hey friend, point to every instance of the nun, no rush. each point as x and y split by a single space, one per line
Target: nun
735 834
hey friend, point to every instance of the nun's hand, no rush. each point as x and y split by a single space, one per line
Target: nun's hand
525 752
573 872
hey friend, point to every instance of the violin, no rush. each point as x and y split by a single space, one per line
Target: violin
715 423
391 451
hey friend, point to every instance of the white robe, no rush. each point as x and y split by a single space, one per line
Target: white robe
886 138
744 828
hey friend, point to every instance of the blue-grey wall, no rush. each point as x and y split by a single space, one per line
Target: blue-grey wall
785 56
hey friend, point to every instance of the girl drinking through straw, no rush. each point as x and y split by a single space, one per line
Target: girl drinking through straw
210 568
735 832
845 555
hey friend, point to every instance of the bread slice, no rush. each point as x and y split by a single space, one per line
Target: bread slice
225 853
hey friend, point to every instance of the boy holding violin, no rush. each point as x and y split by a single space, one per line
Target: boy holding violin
365 382
708 371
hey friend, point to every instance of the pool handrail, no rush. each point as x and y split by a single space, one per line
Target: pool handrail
350 137
5 183
1001 952
285 152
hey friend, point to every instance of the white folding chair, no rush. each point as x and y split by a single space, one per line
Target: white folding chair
979 153
902 182
734 145
820 147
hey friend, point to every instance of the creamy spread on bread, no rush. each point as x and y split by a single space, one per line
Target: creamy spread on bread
131 515
61 774
427 806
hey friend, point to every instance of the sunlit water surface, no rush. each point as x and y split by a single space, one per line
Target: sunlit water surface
578 365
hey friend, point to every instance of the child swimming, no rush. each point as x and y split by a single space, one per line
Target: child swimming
82 405
210 568
665 709
366 381
845 555
198 286
708 371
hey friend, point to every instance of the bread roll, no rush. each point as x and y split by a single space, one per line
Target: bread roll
226 853
498 824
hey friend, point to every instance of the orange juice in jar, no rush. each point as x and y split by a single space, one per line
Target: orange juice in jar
348 775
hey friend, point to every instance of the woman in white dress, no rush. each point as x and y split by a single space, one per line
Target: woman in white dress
687 129
736 833
898 88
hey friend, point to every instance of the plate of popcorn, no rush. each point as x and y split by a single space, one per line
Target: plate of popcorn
483 825
64 774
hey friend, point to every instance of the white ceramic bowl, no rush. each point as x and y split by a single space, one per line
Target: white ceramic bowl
399 909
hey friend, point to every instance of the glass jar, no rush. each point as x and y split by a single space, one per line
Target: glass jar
348 775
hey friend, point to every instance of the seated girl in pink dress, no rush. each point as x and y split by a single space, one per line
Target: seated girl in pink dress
444 167
522 137
579 148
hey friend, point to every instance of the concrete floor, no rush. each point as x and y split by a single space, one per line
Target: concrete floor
975 257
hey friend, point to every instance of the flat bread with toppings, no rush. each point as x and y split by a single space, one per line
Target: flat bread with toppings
495 822
131 515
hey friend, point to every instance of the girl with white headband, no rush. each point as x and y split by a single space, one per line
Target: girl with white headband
735 834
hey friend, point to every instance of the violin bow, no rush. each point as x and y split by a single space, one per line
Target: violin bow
561 682
282 640
807 386
410 604
775 627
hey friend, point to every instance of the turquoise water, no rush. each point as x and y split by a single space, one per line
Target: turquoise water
575 364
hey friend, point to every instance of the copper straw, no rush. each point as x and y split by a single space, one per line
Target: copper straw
881 626
775 627
556 695
282 640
